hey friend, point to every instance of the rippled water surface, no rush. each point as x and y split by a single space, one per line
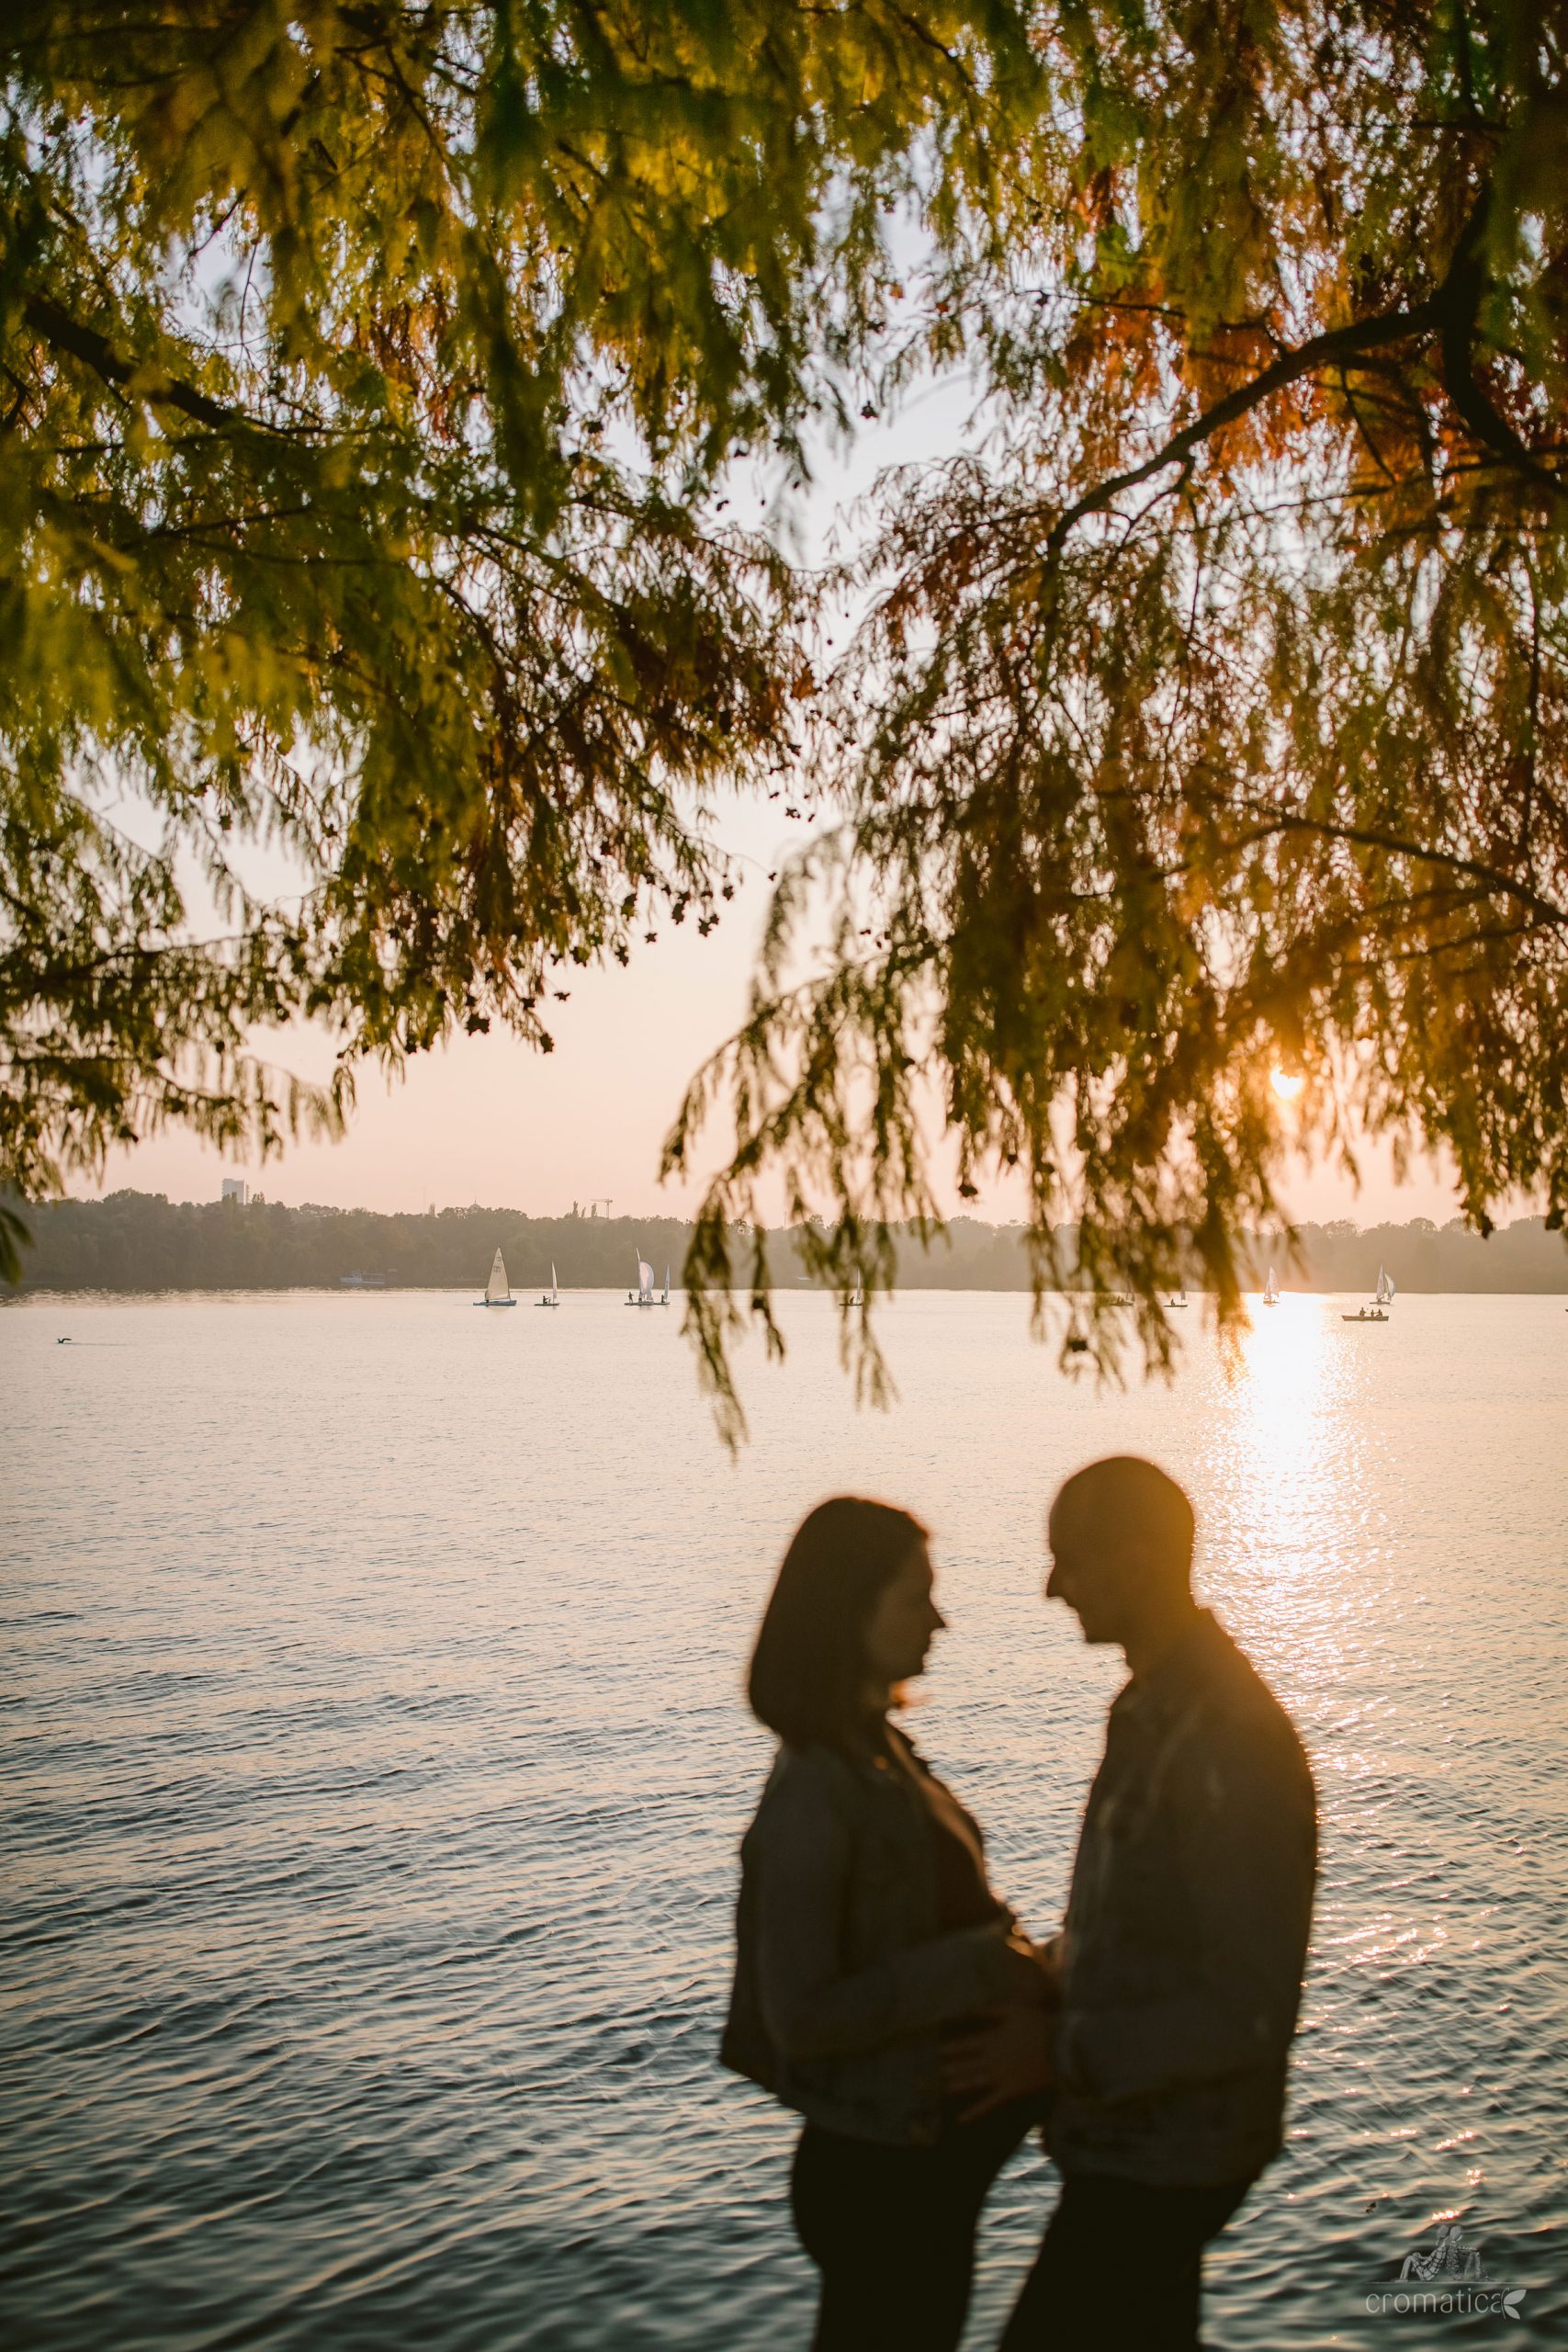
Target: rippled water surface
374 1766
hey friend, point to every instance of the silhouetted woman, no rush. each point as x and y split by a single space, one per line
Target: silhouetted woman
866 1927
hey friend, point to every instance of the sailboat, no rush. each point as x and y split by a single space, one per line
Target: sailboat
1271 1291
643 1295
1180 1300
1385 1288
552 1296
498 1290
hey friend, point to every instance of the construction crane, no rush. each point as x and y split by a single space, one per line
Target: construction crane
594 1205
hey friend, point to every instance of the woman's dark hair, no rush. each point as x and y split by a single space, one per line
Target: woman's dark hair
808 1669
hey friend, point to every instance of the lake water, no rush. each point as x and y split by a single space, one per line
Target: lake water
374 1764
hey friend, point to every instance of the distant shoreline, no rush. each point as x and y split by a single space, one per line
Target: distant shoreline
523 1292
142 1244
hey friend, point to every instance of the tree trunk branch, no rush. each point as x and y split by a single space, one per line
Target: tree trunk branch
1547 912
1335 346
65 334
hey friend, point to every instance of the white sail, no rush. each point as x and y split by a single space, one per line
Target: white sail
1271 1291
1390 1290
498 1288
644 1278
666 1285
1385 1286
555 1287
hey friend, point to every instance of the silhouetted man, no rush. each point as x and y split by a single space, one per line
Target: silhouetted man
1179 1964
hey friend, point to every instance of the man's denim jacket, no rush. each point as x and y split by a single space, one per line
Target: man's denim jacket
1187 1926
841 1980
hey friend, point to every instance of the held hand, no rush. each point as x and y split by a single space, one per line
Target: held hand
1008 2058
1033 1980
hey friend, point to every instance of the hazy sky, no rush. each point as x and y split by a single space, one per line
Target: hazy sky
486 1120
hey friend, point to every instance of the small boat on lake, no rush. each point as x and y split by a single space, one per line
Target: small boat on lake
1272 1290
1385 1288
1366 1315
1180 1300
498 1290
551 1297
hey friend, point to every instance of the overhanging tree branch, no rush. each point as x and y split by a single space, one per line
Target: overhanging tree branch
1334 347
1462 292
1508 885
59 329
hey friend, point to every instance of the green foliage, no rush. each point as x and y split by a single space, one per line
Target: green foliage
371 374
367 372
1215 716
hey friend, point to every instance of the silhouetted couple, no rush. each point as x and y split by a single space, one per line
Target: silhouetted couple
886 1992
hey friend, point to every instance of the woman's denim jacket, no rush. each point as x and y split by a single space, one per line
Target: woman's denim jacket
841 1980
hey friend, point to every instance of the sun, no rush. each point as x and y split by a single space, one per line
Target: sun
1286 1083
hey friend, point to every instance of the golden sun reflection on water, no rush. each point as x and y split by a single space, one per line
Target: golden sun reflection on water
1289 1389
1291 1520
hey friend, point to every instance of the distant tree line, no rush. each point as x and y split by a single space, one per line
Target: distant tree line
138 1241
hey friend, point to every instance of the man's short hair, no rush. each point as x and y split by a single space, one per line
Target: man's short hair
1124 1493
